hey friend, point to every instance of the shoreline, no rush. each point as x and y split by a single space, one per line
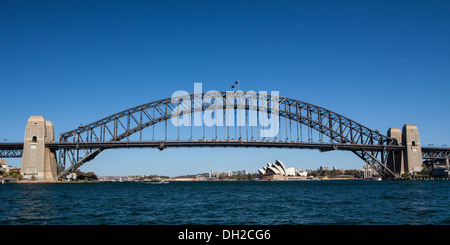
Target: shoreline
254 180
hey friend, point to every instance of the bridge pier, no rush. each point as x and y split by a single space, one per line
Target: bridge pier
410 160
38 162
413 150
395 160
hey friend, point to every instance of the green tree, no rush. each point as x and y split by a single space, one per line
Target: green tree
426 172
326 173
89 176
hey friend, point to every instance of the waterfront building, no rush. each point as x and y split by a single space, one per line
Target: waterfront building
278 171
3 165
5 168
72 176
441 172
369 172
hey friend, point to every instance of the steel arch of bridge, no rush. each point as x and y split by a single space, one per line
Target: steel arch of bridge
339 129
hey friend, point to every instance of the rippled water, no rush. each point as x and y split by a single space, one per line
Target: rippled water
235 203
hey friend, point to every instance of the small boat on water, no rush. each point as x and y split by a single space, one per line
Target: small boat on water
8 180
158 181
373 179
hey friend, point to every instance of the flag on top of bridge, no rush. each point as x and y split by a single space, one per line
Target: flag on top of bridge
234 85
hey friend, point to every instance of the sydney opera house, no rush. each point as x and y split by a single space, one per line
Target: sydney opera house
277 171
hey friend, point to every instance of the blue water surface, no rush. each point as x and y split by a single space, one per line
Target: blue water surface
332 202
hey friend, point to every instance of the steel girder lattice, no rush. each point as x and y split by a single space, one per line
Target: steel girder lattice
435 153
11 153
337 128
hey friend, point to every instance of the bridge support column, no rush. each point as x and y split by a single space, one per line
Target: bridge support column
413 150
38 162
395 160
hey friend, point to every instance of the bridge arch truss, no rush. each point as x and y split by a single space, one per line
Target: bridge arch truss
297 117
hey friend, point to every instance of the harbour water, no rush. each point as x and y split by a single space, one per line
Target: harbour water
332 202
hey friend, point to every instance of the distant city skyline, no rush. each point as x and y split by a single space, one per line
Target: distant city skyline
380 63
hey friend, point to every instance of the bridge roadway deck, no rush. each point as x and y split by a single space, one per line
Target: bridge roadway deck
220 143
216 143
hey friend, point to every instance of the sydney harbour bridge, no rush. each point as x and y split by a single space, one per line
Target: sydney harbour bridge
236 119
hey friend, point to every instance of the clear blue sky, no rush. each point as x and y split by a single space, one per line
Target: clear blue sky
380 63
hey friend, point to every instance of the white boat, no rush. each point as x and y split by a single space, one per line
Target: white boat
373 179
9 180
161 181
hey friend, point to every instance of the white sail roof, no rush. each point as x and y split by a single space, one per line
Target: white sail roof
262 171
290 172
279 163
274 170
279 168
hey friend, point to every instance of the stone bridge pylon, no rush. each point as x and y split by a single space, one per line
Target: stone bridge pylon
38 162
